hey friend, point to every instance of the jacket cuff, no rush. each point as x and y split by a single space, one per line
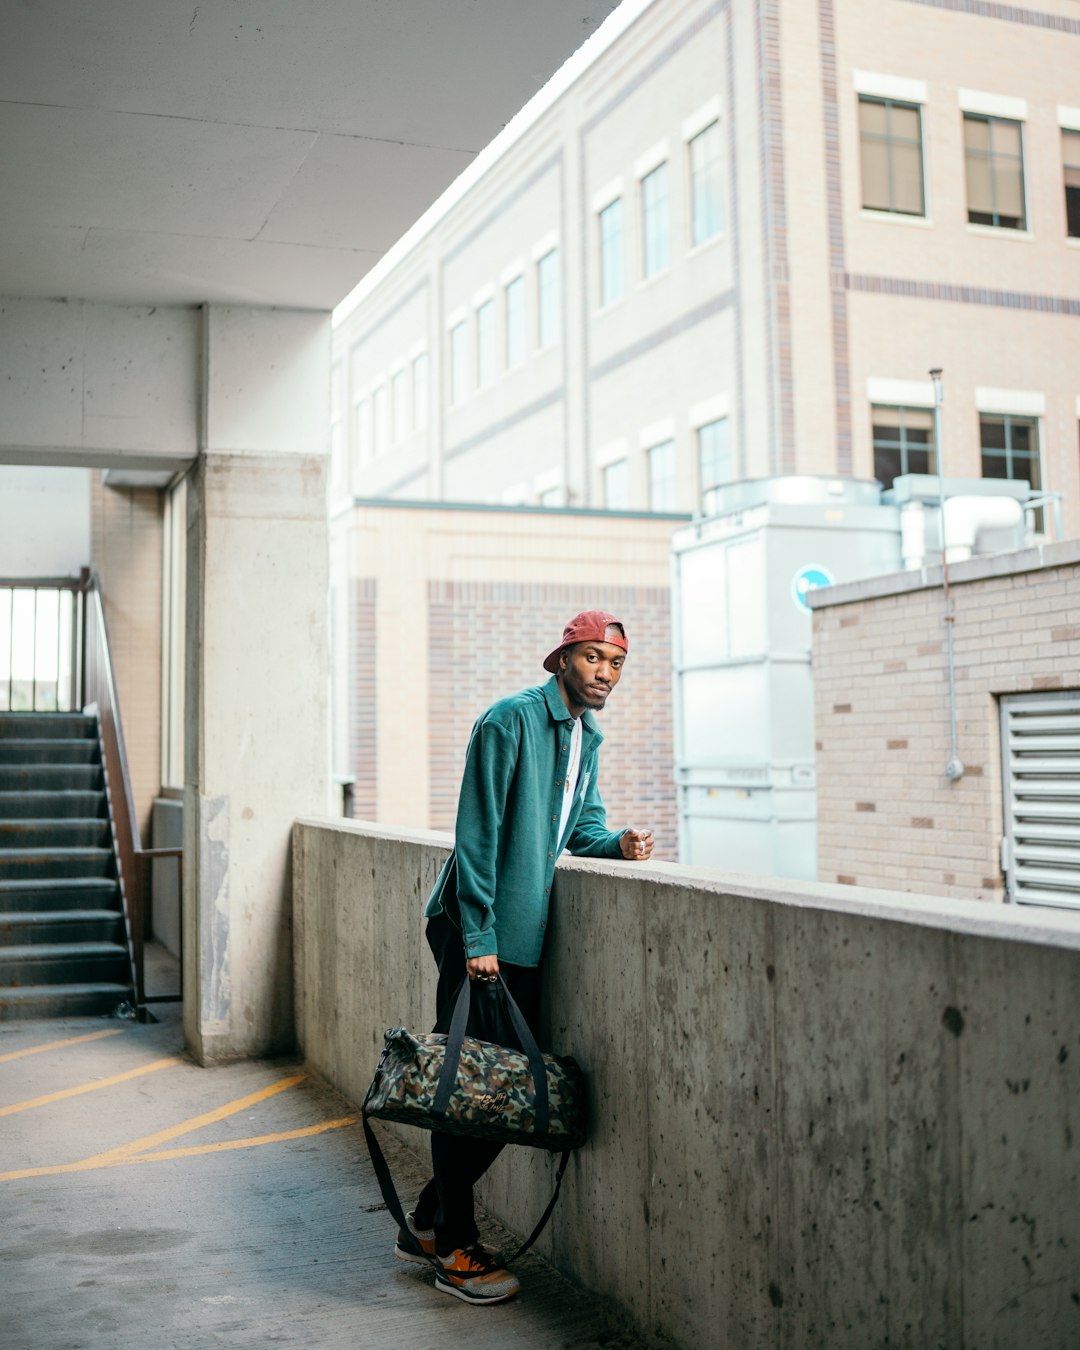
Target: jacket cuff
480 944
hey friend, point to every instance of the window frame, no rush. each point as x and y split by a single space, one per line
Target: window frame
515 348
888 140
694 176
1074 134
617 269
457 349
707 488
930 448
622 464
486 366
968 115
548 297
670 482
655 260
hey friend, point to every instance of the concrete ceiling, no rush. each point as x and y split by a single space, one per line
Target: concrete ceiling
261 152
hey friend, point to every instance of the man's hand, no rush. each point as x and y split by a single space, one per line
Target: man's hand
636 845
480 967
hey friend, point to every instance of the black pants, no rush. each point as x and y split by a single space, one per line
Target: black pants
446 1202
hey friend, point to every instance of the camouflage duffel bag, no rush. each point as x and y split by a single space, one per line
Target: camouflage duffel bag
458 1084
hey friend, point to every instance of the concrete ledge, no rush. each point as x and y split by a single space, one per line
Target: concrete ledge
820 1116
1063 554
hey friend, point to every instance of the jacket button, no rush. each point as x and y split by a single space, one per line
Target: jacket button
551 855
558 782
554 820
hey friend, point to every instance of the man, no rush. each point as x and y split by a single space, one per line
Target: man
529 790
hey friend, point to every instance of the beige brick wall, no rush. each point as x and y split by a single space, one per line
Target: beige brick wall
454 608
125 548
887 815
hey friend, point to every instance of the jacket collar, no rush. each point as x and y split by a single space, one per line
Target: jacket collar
560 713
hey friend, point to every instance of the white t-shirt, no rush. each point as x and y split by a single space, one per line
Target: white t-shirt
573 770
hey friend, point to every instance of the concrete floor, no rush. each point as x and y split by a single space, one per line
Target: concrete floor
150 1203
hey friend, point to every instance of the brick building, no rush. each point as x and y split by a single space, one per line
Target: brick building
887 814
451 609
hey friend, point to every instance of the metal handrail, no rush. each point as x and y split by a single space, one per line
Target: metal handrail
99 692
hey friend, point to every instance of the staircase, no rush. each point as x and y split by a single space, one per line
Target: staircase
63 943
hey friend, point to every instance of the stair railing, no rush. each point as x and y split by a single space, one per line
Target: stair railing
99 693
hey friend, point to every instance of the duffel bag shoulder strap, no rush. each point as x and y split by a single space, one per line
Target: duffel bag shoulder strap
456 1035
393 1204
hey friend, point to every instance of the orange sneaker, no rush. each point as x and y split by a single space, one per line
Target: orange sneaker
470 1273
423 1237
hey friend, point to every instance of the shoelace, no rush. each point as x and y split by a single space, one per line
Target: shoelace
479 1259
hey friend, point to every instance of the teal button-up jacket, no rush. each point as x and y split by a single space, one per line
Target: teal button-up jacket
502 866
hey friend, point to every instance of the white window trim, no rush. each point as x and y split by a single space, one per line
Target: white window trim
610 453
705 116
899 393
1078 405
992 105
417 349
511 272
897 217
656 433
1068 118
545 245
612 192
456 316
897 87
709 410
658 154
1015 402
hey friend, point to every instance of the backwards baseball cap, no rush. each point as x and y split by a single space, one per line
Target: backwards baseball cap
591 626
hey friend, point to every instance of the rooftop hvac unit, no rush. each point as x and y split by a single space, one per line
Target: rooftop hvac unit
743 697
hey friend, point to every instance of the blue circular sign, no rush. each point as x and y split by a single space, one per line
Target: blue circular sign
807 579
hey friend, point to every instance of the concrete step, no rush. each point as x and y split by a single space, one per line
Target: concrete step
61 926
49 726
49 777
18 864
35 963
91 999
49 834
58 893
56 805
45 750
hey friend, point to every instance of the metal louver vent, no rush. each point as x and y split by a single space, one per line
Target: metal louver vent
1040 744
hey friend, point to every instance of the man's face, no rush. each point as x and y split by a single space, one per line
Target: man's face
589 672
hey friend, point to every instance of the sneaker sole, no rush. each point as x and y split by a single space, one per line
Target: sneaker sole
403 1255
478 1300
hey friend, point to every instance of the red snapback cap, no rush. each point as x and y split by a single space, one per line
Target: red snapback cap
591 626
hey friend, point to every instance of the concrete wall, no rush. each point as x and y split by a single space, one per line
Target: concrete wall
44 521
822 1117
887 815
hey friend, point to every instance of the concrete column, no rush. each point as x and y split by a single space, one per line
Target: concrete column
257 708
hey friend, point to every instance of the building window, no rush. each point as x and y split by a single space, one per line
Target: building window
714 461
994 165
1010 447
890 150
617 486
399 398
420 391
379 431
903 442
655 222
547 289
1070 154
706 196
661 462
457 363
612 266
515 322
485 344
552 496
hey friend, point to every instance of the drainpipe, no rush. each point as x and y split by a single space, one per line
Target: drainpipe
955 768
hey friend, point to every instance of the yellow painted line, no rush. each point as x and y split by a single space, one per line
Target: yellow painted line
197 1122
162 1155
89 1087
59 1045
254 1142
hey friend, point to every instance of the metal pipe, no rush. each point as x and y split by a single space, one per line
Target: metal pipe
955 767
